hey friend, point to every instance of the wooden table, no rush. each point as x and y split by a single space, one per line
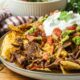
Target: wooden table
6 74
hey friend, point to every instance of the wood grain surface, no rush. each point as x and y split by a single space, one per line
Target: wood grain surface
6 74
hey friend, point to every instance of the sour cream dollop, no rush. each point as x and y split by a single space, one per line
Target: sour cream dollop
53 22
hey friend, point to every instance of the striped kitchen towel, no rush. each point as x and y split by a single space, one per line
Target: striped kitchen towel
4 13
17 20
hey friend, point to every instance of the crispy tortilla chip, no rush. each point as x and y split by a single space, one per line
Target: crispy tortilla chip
7 48
19 28
68 65
14 28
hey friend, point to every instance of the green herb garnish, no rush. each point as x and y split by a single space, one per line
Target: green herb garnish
31 30
65 16
67 32
65 39
76 40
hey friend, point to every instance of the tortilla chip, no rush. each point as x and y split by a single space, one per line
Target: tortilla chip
14 28
68 65
20 28
7 48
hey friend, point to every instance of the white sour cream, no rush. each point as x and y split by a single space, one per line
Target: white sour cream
52 22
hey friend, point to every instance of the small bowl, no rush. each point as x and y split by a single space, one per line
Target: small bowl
23 8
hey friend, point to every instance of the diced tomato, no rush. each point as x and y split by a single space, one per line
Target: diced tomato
71 28
35 67
57 32
49 40
37 32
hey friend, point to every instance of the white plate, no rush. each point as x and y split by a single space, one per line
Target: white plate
37 74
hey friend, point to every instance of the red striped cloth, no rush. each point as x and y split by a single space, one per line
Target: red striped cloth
17 20
4 13
6 19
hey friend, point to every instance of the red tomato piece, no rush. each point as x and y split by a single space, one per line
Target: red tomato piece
57 32
35 67
71 28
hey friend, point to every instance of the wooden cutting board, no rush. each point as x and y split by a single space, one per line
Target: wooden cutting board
6 74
